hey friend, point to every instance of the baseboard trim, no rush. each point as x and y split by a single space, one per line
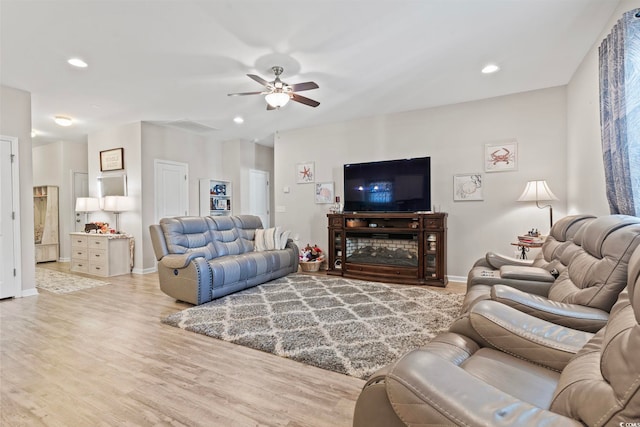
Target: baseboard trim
29 293
462 279
144 270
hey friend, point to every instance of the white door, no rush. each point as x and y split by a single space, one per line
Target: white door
259 195
171 189
9 226
80 189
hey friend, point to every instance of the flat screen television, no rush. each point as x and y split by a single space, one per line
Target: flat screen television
402 185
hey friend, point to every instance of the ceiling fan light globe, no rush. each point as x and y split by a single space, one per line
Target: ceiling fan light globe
277 99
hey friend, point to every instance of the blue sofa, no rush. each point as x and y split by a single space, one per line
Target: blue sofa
204 258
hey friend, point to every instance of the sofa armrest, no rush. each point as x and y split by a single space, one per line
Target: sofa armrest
573 316
180 260
517 272
427 389
527 337
296 251
496 261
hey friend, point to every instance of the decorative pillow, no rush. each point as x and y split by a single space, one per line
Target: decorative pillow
271 238
259 240
283 238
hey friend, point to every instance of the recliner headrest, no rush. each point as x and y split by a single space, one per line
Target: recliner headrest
566 228
593 235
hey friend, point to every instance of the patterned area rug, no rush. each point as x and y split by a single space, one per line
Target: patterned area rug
349 326
63 283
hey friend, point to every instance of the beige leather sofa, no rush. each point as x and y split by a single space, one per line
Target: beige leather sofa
537 275
560 236
582 296
454 381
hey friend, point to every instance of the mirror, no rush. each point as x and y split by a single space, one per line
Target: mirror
112 185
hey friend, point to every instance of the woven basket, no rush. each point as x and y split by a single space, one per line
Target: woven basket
311 266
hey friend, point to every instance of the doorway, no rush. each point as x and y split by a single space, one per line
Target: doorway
259 195
171 189
10 279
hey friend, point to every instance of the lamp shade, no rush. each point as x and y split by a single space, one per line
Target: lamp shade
537 191
87 204
118 203
277 99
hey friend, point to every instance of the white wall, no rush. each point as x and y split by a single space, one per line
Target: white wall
143 143
15 121
586 184
201 154
128 137
454 137
239 158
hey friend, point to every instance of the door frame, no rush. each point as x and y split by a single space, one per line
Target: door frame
15 207
156 163
268 192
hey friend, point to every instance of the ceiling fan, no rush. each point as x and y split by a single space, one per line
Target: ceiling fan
278 93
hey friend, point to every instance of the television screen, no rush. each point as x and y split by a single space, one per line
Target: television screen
388 186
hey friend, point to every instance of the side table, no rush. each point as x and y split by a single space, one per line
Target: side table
524 247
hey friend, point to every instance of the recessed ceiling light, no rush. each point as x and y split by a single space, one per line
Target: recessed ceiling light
63 121
77 62
33 133
239 120
490 68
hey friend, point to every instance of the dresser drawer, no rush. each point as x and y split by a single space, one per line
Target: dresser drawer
381 270
335 222
79 253
98 270
433 223
79 241
98 257
80 266
98 242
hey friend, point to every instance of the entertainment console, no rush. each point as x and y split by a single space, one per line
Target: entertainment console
409 248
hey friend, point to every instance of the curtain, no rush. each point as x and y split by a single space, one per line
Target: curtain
620 114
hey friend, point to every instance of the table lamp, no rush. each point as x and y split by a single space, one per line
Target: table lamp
539 191
86 205
117 205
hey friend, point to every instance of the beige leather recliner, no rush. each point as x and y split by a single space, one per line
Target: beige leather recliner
453 381
560 236
582 296
537 275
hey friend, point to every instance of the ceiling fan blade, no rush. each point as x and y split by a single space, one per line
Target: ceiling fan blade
246 93
259 79
303 100
298 87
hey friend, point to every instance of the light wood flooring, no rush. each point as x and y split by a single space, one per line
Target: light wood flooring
101 357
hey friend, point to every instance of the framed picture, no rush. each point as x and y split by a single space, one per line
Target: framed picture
112 160
305 173
467 187
324 192
501 156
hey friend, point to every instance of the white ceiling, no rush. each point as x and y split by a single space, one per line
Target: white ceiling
174 60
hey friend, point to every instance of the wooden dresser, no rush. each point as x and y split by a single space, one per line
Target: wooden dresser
101 254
